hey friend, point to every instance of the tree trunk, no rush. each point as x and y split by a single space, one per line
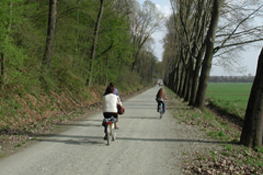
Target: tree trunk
171 76
186 75
179 75
190 80
207 63
196 74
176 82
185 89
182 83
173 79
50 33
251 135
95 37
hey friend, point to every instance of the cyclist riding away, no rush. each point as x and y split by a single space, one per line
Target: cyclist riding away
160 97
109 105
116 92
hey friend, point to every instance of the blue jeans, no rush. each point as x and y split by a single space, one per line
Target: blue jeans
159 102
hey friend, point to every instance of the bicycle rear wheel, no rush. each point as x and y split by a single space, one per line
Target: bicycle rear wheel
113 135
161 110
113 132
108 135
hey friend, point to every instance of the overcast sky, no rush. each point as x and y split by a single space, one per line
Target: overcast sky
249 58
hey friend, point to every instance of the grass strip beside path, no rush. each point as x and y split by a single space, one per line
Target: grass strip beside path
226 158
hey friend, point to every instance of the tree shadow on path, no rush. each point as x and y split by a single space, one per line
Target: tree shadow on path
77 140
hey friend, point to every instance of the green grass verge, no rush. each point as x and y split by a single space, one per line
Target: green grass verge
231 158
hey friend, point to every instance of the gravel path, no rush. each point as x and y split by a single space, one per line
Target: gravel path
145 145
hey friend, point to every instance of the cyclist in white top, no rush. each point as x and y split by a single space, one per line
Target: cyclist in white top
109 105
116 92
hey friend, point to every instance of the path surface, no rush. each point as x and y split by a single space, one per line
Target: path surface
145 145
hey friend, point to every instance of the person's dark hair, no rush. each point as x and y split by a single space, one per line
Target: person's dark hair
109 90
111 85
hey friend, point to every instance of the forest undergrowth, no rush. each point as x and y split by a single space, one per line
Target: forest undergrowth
37 113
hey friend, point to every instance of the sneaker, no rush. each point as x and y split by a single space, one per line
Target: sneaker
105 137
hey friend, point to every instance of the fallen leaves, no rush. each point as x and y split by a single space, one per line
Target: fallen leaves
219 164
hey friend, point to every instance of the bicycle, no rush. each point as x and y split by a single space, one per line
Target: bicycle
110 131
161 110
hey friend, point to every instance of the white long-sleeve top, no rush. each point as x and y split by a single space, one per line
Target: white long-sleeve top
109 103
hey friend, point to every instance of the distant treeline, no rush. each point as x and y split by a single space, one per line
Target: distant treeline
231 79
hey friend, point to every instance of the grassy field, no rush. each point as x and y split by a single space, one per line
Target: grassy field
231 97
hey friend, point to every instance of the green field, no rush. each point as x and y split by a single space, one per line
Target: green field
231 97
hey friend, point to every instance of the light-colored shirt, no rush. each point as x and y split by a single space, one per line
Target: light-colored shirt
109 103
116 92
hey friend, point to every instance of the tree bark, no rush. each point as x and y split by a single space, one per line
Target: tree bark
95 37
179 78
190 80
173 83
50 33
196 74
251 135
182 83
207 63
185 87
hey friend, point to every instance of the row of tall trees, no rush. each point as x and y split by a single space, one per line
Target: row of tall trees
202 32
76 42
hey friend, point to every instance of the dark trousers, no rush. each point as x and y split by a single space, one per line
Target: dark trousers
109 115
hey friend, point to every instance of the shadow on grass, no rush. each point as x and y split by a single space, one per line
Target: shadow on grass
225 115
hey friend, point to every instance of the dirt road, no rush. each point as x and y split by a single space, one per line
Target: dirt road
145 145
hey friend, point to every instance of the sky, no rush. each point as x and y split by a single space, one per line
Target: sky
248 58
